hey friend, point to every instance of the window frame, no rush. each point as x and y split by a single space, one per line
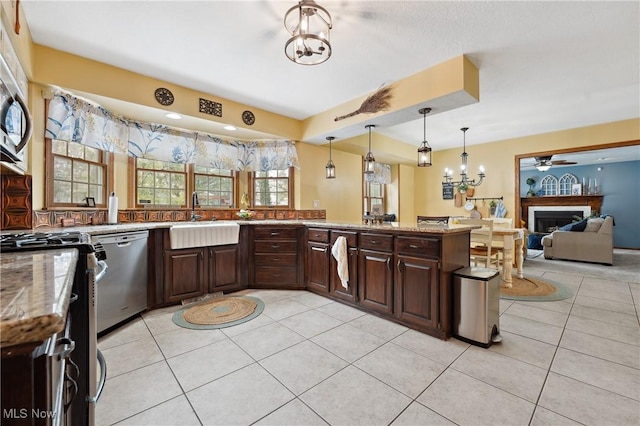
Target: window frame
235 185
189 189
290 188
367 198
106 162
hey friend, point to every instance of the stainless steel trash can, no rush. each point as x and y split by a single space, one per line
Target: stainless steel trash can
476 296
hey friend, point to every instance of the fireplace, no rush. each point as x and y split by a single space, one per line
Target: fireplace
584 204
546 221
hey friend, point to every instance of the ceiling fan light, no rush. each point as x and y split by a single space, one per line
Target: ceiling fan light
543 167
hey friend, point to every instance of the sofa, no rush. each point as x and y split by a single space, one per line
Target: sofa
594 243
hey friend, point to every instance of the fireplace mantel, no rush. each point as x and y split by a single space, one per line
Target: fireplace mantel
593 201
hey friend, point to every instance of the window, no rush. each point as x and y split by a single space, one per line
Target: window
74 173
549 185
215 187
374 196
565 183
273 188
160 183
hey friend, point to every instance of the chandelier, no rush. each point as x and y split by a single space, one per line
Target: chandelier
464 181
330 167
369 159
424 152
309 25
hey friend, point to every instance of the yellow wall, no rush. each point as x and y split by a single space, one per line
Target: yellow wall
406 188
340 197
498 158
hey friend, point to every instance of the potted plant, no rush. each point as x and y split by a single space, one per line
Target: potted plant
531 192
462 188
492 207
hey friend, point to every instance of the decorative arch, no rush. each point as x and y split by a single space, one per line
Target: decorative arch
565 182
549 185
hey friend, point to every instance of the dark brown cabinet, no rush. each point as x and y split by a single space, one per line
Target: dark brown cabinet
416 291
350 293
375 287
274 259
184 274
317 260
222 268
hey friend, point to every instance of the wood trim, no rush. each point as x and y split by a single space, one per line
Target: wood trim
518 211
593 201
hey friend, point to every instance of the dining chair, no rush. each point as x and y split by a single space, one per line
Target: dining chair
433 220
481 248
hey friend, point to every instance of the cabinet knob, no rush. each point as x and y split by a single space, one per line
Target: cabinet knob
275 233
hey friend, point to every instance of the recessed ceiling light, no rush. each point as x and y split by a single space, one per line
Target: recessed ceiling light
174 116
229 127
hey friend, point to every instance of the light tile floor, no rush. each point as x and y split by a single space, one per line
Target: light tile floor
310 361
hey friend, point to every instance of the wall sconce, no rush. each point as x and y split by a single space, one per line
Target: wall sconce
424 152
330 168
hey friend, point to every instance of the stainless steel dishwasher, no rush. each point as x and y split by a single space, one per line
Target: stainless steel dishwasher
122 293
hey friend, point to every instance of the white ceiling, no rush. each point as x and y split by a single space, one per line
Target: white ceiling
544 66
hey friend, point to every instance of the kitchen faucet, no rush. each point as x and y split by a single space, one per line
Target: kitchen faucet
194 201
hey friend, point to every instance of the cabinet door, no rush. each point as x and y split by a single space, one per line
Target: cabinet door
183 274
223 268
375 275
335 284
318 267
417 291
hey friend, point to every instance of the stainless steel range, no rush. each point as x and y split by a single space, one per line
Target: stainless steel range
80 389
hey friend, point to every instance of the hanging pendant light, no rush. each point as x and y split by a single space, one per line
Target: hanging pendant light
424 152
309 25
369 160
330 168
464 181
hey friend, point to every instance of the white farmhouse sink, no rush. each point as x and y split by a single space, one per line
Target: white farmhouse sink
203 234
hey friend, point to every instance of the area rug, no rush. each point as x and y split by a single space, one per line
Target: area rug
218 312
535 289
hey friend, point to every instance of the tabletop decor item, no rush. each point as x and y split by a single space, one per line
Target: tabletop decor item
246 214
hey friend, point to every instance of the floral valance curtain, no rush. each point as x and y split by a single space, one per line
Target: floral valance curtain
381 174
72 119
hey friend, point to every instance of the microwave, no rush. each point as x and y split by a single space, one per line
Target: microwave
15 119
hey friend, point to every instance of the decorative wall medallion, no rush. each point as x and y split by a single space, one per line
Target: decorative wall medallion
210 107
248 118
164 96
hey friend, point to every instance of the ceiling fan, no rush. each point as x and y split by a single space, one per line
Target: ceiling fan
544 163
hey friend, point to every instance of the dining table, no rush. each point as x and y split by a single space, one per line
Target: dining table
512 242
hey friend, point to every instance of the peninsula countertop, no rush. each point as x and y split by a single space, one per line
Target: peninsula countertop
35 288
391 227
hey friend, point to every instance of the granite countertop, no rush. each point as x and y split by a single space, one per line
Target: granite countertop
392 227
34 294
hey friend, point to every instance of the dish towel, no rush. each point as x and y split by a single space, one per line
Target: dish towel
501 210
339 251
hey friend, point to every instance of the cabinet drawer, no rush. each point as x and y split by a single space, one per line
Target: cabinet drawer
275 275
418 246
352 237
276 259
319 235
278 233
275 246
376 242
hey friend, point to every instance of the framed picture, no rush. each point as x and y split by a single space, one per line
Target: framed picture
91 202
376 209
576 189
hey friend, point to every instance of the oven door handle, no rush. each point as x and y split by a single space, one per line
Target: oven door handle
102 266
